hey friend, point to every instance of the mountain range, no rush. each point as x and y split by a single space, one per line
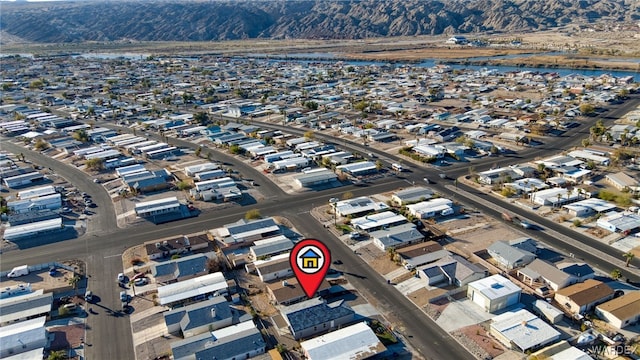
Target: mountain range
56 22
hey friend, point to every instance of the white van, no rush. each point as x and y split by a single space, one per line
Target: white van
18 271
396 167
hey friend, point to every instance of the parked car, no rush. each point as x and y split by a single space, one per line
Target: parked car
121 278
141 281
123 296
53 271
88 296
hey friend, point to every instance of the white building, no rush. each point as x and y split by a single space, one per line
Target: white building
157 207
521 330
36 192
358 206
194 169
555 197
378 221
22 337
200 286
50 202
33 229
494 293
431 208
353 342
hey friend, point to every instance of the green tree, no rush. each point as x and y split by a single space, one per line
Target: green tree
57 355
183 185
201 118
379 165
81 135
616 274
95 164
252 214
311 105
587 109
40 145
236 149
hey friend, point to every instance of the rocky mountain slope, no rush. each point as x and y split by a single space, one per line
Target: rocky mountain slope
315 19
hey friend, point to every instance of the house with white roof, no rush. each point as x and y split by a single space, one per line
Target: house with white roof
561 351
379 221
522 331
555 197
619 222
271 246
201 286
431 208
396 236
494 293
359 206
23 336
244 232
355 342
588 207
358 168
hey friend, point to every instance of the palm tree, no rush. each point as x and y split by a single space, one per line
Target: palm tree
73 282
628 256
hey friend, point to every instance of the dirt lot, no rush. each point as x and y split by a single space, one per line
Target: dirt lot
477 232
42 280
477 341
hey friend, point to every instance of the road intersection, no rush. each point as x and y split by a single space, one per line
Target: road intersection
109 332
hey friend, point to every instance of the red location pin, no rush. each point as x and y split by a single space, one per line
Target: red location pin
310 259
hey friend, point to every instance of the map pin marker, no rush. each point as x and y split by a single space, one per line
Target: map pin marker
310 259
